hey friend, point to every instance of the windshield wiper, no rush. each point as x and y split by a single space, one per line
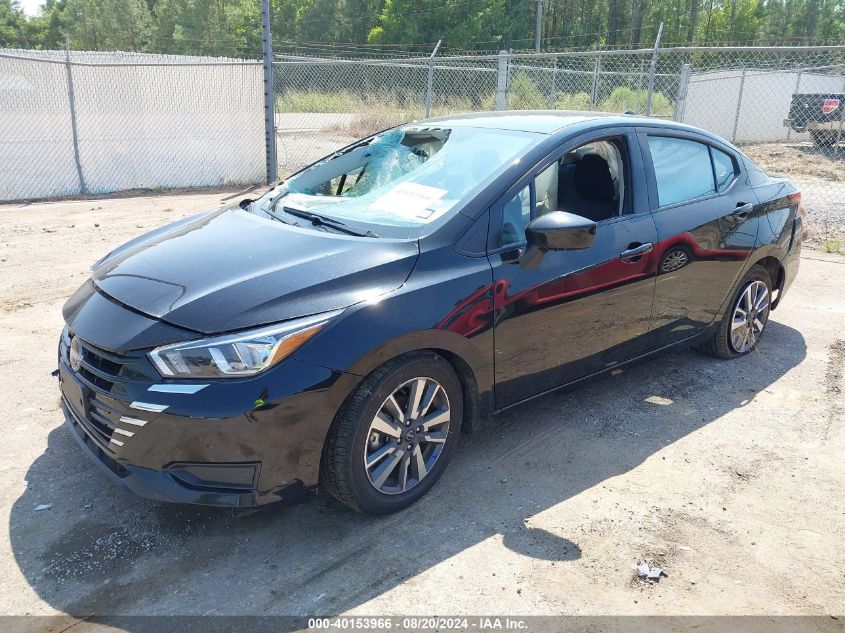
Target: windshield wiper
272 213
321 220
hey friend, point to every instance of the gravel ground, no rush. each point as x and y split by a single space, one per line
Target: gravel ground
727 474
820 175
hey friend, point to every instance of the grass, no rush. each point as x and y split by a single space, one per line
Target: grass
295 101
623 99
379 110
523 95
376 111
833 246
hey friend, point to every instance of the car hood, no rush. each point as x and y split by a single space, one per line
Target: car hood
231 269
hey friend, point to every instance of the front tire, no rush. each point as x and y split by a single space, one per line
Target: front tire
392 439
746 318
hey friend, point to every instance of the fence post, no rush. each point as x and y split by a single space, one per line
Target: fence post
271 168
594 94
681 98
73 131
738 105
794 92
430 79
502 81
652 71
841 113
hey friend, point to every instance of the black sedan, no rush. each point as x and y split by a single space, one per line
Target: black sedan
342 330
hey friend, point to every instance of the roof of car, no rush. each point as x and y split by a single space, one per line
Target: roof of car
540 121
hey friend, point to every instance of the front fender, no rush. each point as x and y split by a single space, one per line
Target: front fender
446 305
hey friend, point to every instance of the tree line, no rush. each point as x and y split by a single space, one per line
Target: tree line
367 27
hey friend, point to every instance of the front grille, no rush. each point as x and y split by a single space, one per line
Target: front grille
99 418
99 368
95 442
104 377
100 433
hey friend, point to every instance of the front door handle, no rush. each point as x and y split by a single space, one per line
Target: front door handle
742 210
637 251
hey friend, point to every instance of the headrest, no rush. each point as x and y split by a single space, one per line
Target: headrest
593 178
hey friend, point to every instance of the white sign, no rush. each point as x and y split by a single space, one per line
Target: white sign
411 200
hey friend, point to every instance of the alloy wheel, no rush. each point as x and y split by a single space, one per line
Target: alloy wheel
407 436
674 260
750 315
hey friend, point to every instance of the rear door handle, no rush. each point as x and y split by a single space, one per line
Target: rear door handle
742 209
638 251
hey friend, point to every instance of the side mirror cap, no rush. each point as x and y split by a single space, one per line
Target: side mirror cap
560 231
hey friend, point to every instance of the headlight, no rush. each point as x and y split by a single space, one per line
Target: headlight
237 355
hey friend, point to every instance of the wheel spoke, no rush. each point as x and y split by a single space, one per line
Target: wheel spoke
414 397
759 325
737 323
435 437
394 409
739 338
384 470
762 292
376 456
746 299
404 466
435 419
419 464
746 334
385 425
431 390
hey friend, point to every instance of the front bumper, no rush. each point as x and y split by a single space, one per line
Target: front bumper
233 443
163 485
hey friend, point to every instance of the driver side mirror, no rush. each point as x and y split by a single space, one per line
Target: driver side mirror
556 231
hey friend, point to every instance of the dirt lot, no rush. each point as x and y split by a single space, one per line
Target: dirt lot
728 474
819 173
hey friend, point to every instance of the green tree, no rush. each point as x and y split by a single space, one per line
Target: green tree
12 25
233 27
208 27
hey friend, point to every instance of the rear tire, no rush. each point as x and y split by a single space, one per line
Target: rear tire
381 455
745 319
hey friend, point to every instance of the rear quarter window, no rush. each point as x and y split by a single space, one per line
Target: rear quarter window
723 168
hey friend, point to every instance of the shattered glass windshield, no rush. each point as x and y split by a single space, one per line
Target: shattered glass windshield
404 177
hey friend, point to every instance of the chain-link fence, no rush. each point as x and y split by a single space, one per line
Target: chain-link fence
784 106
74 123
98 122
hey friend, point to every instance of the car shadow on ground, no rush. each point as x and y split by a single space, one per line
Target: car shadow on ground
100 551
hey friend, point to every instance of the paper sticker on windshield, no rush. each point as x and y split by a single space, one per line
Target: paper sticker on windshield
411 200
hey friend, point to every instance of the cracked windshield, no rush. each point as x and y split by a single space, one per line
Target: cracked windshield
404 177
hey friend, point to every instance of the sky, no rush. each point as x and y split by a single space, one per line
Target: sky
30 7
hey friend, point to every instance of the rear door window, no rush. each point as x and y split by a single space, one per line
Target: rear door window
682 169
